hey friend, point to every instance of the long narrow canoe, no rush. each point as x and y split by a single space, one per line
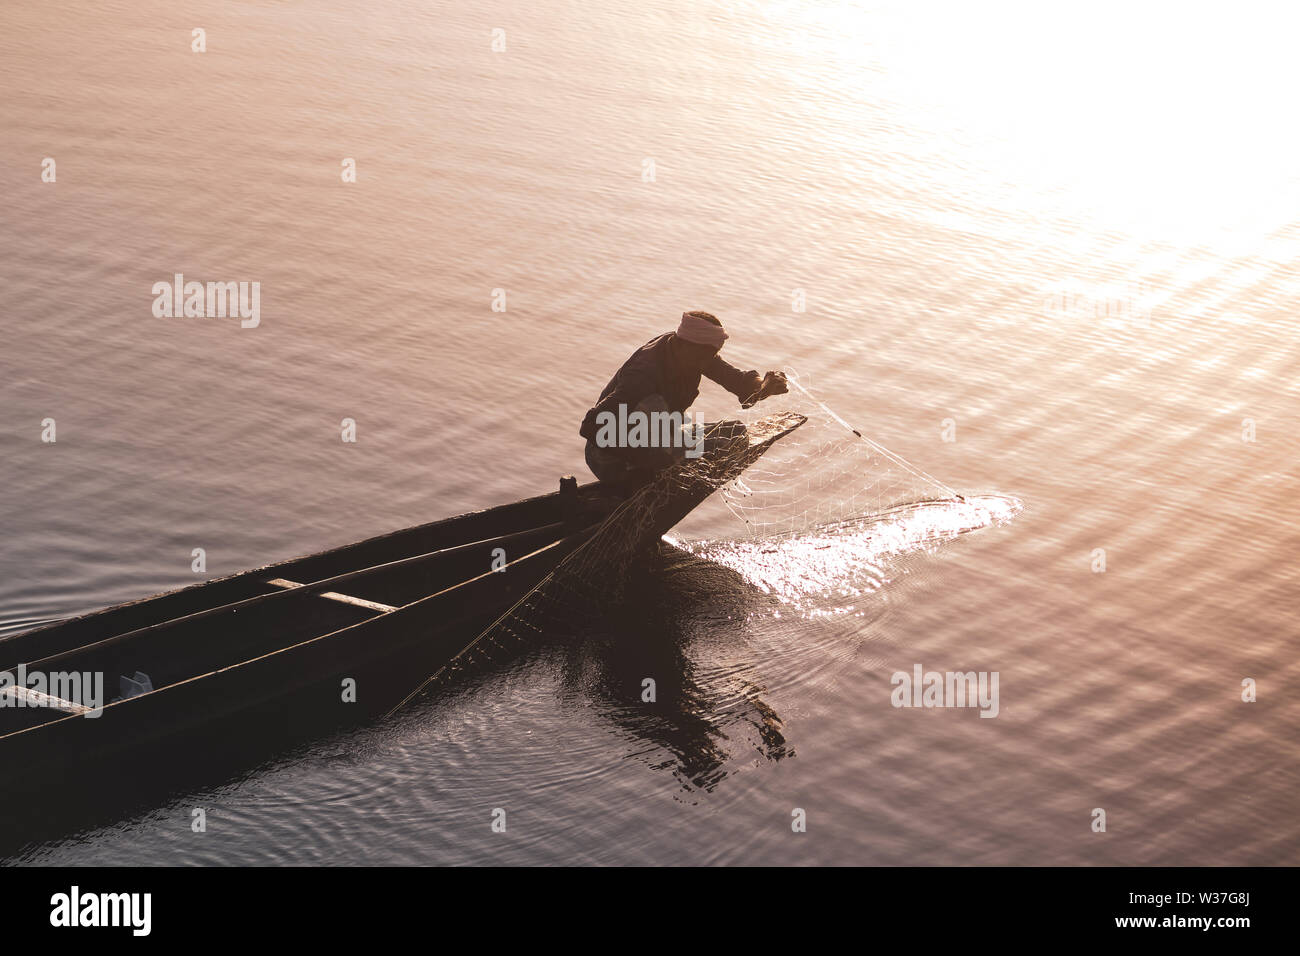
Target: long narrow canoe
373 618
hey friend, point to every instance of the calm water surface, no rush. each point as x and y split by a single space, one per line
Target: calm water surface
1070 246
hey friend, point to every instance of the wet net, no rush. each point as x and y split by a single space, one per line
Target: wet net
790 468
831 474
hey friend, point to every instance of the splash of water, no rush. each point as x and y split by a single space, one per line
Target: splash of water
828 569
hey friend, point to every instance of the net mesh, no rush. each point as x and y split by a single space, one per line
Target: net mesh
593 576
830 474
798 473
828 515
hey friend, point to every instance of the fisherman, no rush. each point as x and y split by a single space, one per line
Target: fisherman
659 383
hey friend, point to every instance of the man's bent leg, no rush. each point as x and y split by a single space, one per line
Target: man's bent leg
606 464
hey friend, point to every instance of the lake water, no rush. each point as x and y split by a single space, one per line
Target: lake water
1041 256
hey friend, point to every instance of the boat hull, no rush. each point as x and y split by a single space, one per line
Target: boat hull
323 650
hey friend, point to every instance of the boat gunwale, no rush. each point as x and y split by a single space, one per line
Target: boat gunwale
584 491
306 589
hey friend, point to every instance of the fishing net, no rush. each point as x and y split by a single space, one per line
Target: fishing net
827 516
831 474
822 502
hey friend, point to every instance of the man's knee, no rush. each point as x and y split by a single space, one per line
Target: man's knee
604 463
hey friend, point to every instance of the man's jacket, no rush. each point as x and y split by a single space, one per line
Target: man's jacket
651 370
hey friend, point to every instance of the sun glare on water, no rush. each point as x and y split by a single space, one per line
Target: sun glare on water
1167 121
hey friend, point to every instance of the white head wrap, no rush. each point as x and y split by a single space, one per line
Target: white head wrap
696 328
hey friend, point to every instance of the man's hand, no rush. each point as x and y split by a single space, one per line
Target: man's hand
773 383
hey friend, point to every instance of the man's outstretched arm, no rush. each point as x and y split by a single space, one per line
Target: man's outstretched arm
748 386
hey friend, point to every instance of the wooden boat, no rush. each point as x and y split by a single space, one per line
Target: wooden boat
278 642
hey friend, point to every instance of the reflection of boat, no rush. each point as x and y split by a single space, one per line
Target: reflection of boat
687 630
286 639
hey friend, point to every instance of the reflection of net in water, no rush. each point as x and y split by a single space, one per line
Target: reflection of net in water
823 498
